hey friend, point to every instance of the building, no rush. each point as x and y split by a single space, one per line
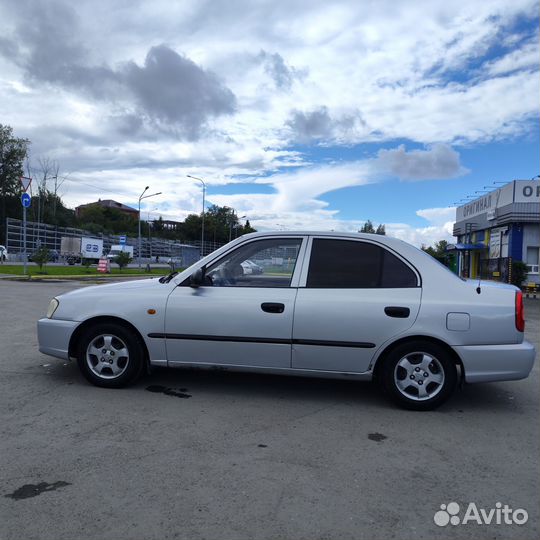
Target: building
498 228
109 203
166 224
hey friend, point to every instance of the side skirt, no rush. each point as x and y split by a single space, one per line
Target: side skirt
365 376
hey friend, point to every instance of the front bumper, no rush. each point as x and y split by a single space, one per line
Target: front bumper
487 363
54 336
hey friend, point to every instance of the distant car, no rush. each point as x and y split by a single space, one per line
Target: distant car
250 267
3 254
53 255
73 259
353 306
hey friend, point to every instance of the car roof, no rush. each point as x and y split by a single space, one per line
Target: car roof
388 240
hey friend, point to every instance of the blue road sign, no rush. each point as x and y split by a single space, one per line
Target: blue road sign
122 240
25 200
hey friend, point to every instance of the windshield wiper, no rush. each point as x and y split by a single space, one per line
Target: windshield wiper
167 278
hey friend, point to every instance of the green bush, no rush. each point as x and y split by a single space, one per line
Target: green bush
40 257
122 259
519 273
86 263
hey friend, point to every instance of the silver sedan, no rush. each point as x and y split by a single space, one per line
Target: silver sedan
334 305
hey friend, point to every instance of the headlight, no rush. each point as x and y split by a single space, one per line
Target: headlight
53 304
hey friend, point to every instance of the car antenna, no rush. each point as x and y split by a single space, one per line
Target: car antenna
478 289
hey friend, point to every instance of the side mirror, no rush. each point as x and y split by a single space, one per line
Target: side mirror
197 278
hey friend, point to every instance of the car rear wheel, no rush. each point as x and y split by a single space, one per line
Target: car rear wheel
419 375
110 355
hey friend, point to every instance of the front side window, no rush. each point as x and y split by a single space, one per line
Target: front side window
263 263
348 264
532 260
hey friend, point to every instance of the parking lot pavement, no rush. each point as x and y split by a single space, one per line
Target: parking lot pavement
238 456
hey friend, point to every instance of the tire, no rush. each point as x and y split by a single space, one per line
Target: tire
419 375
110 355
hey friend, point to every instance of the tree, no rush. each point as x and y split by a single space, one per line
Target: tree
97 219
519 273
247 228
220 223
45 174
438 250
13 151
41 257
122 259
191 228
368 227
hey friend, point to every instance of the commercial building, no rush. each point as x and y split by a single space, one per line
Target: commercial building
499 228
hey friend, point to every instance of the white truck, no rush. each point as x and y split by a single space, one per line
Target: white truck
70 249
115 250
74 249
91 248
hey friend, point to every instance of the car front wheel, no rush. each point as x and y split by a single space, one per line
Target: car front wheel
110 355
419 375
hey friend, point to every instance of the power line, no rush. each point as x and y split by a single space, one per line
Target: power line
79 182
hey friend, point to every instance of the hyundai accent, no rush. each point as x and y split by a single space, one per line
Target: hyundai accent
360 306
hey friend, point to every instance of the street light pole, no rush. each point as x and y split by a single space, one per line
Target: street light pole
203 183
139 216
143 196
148 225
238 225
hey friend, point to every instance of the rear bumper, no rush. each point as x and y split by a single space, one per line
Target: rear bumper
486 363
54 336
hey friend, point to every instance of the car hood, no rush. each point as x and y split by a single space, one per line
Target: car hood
111 288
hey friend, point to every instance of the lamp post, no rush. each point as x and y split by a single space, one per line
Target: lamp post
238 225
148 225
143 196
203 183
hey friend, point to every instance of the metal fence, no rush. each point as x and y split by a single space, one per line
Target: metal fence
49 236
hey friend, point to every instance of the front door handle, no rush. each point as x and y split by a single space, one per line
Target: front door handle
273 307
397 311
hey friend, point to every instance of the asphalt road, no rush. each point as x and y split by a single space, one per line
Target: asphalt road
237 456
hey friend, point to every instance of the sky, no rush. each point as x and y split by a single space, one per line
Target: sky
299 115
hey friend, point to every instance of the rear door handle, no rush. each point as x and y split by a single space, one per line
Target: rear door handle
397 311
273 307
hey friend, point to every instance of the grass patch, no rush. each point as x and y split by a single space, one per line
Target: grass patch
54 271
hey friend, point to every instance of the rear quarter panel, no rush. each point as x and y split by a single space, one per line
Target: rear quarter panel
491 313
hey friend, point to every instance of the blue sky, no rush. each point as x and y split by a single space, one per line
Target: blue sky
297 115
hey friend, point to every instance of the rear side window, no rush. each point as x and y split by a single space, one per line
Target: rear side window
347 264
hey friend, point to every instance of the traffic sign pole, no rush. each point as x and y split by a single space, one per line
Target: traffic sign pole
25 201
25 258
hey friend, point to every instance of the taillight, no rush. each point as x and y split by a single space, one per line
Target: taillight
520 316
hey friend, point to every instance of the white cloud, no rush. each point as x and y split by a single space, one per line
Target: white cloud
400 87
526 57
295 204
438 216
339 73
